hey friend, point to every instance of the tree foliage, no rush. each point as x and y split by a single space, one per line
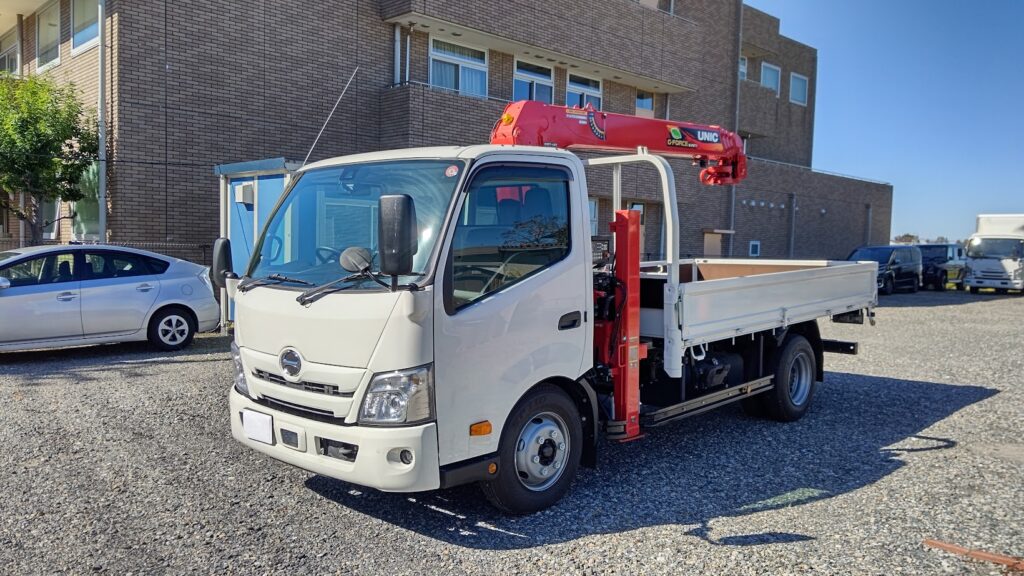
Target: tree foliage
906 239
47 142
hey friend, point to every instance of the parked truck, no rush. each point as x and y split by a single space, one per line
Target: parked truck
422 318
994 254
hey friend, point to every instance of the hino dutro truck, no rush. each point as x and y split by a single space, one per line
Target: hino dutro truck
995 252
422 318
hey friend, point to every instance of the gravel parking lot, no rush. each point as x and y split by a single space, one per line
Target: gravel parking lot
120 459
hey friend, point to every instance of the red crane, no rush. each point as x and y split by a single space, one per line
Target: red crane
719 152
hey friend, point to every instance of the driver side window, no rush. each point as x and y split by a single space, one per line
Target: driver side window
513 224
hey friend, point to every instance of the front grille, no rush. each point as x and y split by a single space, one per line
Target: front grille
324 416
986 275
328 389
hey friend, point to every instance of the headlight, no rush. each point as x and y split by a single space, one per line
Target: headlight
241 384
399 398
968 272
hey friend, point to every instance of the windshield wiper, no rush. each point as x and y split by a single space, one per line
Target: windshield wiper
271 279
312 294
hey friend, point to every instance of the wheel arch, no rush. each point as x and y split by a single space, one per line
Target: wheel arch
173 304
583 395
812 333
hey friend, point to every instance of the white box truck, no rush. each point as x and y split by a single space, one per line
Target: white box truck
417 319
995 252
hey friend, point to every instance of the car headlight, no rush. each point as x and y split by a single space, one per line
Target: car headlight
241 384
403 397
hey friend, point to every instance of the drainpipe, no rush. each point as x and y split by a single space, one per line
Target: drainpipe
792 224
21 222
408 52
736 119
101 121
867 229
21 39
397 78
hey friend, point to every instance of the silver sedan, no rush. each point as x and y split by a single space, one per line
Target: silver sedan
55 296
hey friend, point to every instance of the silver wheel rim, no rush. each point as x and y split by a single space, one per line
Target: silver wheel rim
800 379
542 451
173 330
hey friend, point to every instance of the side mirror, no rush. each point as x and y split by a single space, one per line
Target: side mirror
397 234
221 270
4 283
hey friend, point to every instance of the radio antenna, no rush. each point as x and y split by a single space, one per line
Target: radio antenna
338 101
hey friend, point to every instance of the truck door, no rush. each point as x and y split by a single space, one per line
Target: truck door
512 306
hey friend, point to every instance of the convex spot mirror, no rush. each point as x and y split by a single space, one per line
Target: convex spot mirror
355 259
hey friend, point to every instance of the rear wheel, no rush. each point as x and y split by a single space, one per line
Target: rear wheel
795 373
1001 291
974 289
171 329
941 286
539 452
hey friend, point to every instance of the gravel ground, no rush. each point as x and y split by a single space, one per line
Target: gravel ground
120 459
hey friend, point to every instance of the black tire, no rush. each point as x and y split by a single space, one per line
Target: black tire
941 286
914 286
888 286
509 491
960 285
974 289
795 366
172 328
1001 291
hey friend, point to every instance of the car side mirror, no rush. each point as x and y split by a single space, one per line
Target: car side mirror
222 271
4 283
397 234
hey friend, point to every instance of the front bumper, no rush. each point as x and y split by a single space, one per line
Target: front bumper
376 463
975 282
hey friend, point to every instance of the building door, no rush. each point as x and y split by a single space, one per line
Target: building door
712 244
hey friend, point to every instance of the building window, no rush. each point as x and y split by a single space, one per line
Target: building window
10 53
645 104
533 82
582 91
86 224
592 202
458 68
798 89
743 67
770 75
755 249
51 213
85 28
48 36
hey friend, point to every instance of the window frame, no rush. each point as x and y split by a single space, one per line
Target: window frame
460 62
464 191
744 63
598 93
54 254
778 70
111 255
90 43
56 220
807 88
55 61
533 79
14 50
754 249
594 212
644 112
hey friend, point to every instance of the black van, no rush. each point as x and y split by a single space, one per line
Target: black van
898 266
943 263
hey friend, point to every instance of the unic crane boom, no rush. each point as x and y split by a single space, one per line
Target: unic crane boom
718 151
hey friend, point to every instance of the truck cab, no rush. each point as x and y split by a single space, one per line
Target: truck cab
495 302
995 261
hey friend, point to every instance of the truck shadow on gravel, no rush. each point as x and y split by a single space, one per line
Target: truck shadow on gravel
860 429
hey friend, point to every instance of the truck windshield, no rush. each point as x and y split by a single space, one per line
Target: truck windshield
879 254
333 208
930 253
995 248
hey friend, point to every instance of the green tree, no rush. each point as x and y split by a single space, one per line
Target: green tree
906 239
47 143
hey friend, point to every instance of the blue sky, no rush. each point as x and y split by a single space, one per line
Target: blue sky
927 95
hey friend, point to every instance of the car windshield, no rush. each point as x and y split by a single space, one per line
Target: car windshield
934 252
878 254
995 248
333 208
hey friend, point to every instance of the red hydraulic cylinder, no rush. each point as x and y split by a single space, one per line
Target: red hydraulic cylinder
625 367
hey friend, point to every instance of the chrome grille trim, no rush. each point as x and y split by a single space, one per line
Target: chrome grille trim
317 388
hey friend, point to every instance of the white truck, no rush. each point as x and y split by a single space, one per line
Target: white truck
422 318
995 252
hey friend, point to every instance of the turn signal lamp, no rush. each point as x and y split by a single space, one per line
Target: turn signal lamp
480 428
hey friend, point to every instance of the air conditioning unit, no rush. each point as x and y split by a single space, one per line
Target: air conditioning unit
245 193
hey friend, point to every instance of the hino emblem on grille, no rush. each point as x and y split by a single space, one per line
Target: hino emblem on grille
291 362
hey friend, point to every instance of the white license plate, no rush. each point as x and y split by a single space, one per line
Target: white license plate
258 426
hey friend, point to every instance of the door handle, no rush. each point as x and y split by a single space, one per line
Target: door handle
144 287
569 321
66 296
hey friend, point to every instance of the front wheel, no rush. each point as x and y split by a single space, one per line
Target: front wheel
974 289
888 286
795 375
539 452
941 286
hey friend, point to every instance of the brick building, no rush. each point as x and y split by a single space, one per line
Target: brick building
195 83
